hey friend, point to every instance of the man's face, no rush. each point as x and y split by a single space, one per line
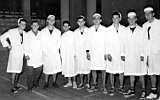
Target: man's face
81 22
97 21
35 26
22 25
132 20
51 21
116 19
66 27
149 15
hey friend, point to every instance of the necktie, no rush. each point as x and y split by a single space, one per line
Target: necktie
81 33
8 40
117 31
50 31
21 34
96 29
149 32
132 29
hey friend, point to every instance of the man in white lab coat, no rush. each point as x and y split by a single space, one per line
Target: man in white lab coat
50 40
135 63
67 49
33 55
81 41
97 50
152 33
114 51
13 39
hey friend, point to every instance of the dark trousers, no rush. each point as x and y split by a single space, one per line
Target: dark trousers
16 79
33 76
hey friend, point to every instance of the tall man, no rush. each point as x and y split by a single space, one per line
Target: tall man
114 50
152 33
80 39
13 39
33 54
135 63
50 40
97 50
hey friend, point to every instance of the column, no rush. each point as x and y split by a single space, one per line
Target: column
64 10
26 5
91 8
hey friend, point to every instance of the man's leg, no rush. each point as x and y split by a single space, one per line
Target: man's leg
153 82
104 81
37 75
94 75
131 91
74 82
69 83
111 92
112 80
121 81
93 86
15 79
54 81
30 77
153 93
88 80
81 81
46 81
142 80
132 82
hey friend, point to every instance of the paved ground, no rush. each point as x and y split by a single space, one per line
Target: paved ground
52 93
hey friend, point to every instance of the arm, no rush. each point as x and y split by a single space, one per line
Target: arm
108 46
5 39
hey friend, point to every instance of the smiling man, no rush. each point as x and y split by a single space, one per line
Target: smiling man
152 34
13 39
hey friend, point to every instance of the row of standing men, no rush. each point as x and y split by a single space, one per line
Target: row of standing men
127 51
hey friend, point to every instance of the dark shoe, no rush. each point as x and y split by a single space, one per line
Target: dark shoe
14 90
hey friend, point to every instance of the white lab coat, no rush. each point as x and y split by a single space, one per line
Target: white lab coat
153 46
115 47
15 60
68 54
134 48
81 42
32 48
50 51
97 47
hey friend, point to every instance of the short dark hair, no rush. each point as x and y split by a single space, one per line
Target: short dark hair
66 22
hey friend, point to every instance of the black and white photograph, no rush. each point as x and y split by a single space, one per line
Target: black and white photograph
80 50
